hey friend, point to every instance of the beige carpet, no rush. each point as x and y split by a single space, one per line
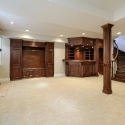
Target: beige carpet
3 90
62 101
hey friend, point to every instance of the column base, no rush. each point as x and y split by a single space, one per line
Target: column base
107 91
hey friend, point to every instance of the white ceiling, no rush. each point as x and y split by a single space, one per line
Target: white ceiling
108 4
55 17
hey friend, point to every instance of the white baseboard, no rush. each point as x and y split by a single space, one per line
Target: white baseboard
58 75
4 79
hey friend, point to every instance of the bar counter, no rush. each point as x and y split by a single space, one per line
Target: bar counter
80 68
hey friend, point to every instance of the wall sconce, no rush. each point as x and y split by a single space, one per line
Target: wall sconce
0 50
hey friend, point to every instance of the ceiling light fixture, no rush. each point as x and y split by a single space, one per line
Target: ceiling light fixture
11 22
27 30
61 35
119 33
83 33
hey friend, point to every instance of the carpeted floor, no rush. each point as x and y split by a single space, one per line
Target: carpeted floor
3 90
62 101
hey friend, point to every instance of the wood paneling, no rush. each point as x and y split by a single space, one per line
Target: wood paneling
88 69
88 41
34 44
78 55
100 60
49 59
33 72
80 68
77 40
15 59
31 59
74 69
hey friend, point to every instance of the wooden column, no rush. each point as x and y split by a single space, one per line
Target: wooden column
107 58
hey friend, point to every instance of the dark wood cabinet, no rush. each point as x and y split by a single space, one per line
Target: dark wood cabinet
15 59
89 69
99 54
82 57
31 59
74 69
49 59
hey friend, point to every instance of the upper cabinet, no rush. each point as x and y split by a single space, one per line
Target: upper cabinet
80 48
75 41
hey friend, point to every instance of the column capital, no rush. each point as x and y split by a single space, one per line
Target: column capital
107 26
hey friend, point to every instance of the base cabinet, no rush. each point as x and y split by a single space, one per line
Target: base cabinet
75 69
88 69
80 68
32 73
15 73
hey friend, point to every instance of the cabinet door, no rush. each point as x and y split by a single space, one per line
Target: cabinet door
24 73
15 73
49 59
75 69
88 69
15 59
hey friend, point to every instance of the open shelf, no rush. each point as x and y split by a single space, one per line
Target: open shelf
71 53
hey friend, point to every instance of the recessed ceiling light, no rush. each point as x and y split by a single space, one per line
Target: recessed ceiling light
11 22
119 33
61 35
83 33
27 30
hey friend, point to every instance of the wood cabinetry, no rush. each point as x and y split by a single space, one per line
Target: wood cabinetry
74 69
31 59
99 54
49 59
16 59
33 72
80 68
82 56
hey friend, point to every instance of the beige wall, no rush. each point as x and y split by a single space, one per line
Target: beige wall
59 50
4 70
59 68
